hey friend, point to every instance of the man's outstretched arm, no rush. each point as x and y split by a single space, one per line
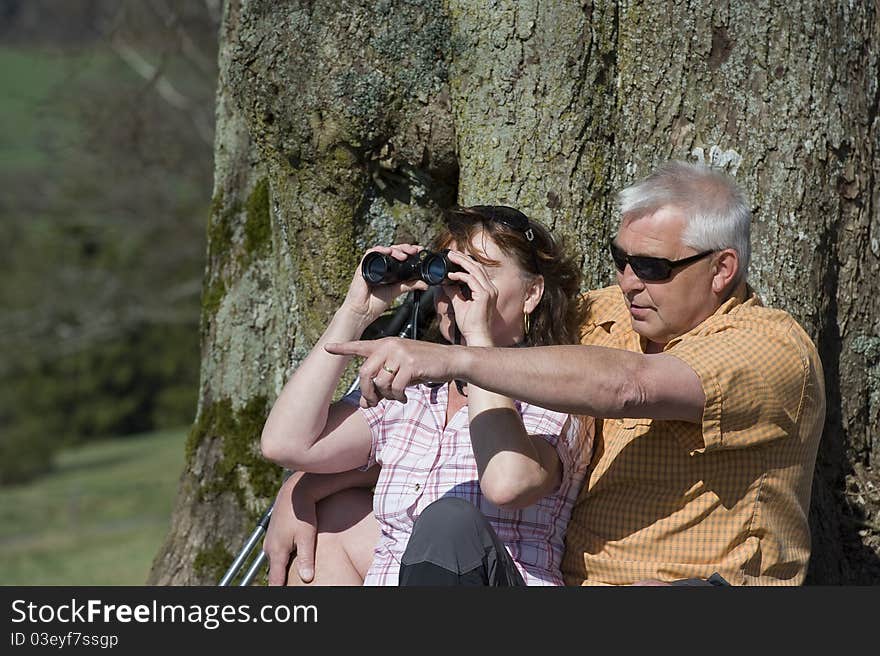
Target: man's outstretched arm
591 380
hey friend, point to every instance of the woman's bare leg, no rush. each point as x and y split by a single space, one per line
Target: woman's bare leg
347 535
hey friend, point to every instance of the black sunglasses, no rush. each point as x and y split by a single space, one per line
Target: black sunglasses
508 216
651 269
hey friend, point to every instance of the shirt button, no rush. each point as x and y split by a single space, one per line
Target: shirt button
417 487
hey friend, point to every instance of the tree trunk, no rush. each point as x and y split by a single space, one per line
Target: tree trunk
343 124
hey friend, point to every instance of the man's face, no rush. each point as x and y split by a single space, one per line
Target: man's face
661 311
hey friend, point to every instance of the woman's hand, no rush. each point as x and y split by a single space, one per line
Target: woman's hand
368 302
473 315
292 531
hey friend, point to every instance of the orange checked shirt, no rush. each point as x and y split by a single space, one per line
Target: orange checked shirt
671 499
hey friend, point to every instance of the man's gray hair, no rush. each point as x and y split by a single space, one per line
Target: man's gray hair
716 210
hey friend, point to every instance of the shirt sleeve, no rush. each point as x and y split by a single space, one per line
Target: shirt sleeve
374 417
542 423
754 377
575 447
570 435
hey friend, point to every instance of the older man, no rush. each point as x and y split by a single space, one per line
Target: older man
711 405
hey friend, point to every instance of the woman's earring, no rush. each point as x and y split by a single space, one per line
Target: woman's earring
526 323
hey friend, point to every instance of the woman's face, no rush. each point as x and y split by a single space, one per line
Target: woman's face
513 284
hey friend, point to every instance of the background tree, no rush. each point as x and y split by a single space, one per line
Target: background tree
106 169
347 123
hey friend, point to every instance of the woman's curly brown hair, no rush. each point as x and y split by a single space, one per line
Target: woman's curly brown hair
558 316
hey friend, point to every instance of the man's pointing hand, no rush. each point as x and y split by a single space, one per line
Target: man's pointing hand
392 364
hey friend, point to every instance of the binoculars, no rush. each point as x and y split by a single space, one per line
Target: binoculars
433 268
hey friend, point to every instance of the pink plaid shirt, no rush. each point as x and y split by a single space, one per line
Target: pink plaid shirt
422 461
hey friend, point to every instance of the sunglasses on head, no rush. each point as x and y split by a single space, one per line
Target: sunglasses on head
508 216
651 269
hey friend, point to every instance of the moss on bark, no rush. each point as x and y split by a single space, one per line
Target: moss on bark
212 562
241 469
258 223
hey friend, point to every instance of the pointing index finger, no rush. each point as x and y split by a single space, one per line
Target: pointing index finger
361 348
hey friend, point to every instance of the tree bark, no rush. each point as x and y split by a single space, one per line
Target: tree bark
343 124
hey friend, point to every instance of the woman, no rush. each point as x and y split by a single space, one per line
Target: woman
520 465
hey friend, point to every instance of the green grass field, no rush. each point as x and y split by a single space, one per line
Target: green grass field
98 519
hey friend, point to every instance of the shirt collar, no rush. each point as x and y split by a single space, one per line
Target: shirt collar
743 295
